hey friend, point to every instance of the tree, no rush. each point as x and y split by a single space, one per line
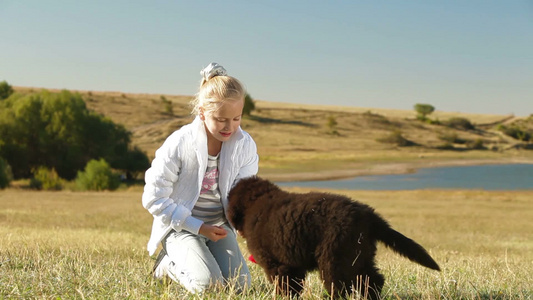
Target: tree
133 162
5 174
396 137
97 176
423 110
5 90
57 131
459 123
46 179
516 132
332 125
167 104
21 133
249 105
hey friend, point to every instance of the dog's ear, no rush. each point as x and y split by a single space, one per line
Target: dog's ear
246 189
236 204
243 195
236 218
256 187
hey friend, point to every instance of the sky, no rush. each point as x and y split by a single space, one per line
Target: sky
472 56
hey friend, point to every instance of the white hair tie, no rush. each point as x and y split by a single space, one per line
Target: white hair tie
213 70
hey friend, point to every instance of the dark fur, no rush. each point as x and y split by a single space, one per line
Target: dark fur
290 234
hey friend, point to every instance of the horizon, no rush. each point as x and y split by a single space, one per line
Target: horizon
466 57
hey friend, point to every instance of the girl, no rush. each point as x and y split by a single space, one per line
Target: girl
187 187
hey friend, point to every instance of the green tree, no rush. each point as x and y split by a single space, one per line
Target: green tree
134 162
396 137
97 176
249 105
332 125
516 132
22 133
46 179
167 104
5 174
423 110
5 90
459 123
57 131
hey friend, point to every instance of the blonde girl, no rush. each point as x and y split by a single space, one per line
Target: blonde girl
187 187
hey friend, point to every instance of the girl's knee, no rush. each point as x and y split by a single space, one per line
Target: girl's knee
198 283
244 281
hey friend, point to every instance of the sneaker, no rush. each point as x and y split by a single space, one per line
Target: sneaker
160 270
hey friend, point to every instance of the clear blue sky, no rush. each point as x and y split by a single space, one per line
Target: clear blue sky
457 55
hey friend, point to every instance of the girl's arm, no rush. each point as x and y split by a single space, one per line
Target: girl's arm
251 163
160 179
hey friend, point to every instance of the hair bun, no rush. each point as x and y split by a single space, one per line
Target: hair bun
212 70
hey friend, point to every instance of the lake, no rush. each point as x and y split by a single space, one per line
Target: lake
486 177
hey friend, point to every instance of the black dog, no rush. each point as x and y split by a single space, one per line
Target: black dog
290 234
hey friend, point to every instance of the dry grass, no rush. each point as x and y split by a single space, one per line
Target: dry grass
294 140
92 246
389 113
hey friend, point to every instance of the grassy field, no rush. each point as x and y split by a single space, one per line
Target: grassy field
91 245
84 245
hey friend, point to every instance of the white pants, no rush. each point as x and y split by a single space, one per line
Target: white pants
198 263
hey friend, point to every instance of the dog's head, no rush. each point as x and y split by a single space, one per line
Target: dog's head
243 196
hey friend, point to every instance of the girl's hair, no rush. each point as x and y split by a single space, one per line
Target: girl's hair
214 91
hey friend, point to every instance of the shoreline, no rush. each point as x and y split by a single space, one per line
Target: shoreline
389 169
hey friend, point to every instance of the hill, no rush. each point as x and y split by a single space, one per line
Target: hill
319 141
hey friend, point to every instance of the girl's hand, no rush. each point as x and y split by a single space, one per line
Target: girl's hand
213 233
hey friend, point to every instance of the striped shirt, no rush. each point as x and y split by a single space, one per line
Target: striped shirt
208 208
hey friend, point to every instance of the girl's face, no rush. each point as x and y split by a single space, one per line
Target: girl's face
222 123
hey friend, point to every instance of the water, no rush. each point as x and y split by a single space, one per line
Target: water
486 177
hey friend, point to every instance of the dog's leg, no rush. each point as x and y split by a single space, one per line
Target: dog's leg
288 281
346 276
364 280
375 282
332 279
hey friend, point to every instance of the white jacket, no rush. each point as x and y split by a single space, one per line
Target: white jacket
174 180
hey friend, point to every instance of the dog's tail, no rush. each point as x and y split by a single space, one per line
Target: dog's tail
403 245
